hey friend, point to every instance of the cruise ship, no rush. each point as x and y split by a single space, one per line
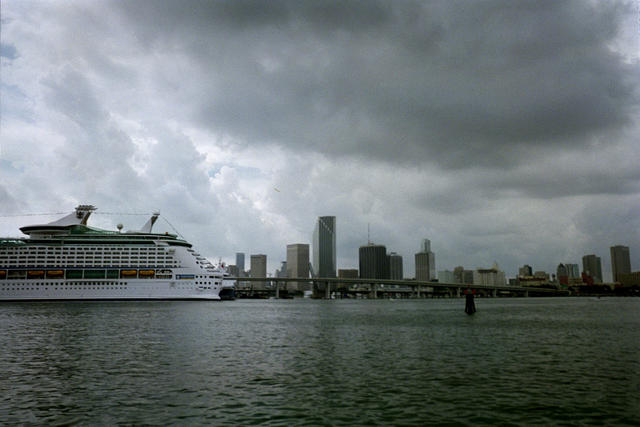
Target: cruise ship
70 260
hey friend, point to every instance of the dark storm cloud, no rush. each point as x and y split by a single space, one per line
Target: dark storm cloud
453 82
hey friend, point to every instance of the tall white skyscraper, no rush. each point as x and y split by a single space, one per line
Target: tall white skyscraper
324 247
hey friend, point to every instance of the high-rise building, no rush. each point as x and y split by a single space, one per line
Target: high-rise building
298 264
592 266
489 276
240 262
620 261
259 267
425 262
525 271
458 274
373 262
347 273
395 266
446 276
573 270
324 247
282 271
562 274
233 270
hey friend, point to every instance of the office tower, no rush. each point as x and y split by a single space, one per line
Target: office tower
259 267
592 266
446 276
395 266
467 277
233 270
324 247
373 262
490 276
573 270
562 274
458 274
298 264
240 262
425 262
525 271
282 271
347 273
620 261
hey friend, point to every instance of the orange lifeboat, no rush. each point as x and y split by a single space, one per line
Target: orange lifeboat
147 273
35 273
128 273
55 273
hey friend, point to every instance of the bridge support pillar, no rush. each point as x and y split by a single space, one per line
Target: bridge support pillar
458 292
494 293
526 293
277 289
374 291
327 288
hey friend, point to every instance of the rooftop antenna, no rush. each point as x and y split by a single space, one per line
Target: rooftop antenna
368 235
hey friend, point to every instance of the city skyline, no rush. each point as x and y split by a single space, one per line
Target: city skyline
508 137
375 261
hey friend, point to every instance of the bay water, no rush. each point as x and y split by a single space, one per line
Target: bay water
517 361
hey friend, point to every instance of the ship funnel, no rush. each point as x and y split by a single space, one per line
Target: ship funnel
83 212
149 225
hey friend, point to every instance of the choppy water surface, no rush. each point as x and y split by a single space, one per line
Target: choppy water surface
521 361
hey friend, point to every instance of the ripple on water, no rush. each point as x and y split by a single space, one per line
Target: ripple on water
517 361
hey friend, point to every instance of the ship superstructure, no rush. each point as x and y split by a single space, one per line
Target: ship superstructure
69 260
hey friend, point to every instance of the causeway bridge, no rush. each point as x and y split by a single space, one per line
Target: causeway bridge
325 287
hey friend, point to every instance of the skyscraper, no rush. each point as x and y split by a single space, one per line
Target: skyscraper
525 271
592 266
425 262
259 267
395 266
240 262
573 270
620 261
562 274
374 263
298 264
324 247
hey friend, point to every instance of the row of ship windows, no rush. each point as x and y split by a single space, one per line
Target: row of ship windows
90 264
107 256
70 285
81 249
79 283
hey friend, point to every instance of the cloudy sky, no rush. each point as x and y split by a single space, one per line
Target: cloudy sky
503 131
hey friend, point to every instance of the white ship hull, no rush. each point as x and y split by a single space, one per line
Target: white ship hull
135 289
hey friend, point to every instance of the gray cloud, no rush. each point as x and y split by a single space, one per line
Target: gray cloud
445 81
501 130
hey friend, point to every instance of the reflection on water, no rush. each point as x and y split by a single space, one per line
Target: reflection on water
524 361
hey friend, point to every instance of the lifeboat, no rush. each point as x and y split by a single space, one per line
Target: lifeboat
147 273
35 273
3 273
128 273
55 273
